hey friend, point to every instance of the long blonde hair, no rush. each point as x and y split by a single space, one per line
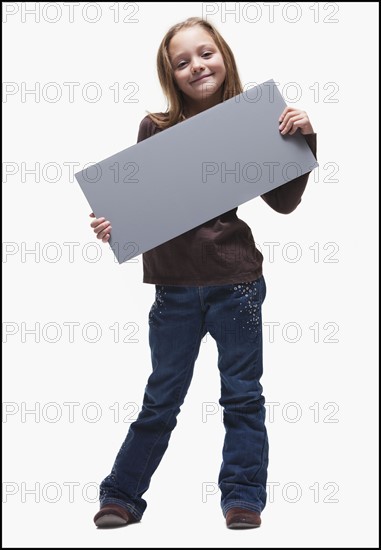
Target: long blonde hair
175 109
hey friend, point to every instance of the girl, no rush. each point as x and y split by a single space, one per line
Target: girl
208 279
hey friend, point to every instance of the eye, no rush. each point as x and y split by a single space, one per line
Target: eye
183 63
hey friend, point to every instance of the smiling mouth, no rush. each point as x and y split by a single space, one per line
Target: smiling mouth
201 78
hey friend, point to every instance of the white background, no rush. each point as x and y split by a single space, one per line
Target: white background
320 383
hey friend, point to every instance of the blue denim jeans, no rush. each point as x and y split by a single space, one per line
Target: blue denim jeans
178 320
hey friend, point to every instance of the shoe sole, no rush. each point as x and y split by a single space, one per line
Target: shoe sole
110 520
243 525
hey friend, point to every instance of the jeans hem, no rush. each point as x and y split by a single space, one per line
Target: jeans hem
129 507
240 504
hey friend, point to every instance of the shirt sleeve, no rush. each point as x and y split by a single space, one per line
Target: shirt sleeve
145 129
285 199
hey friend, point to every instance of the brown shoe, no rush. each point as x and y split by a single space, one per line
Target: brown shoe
239 518
113 515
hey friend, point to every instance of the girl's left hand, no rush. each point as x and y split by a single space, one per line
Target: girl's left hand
292 119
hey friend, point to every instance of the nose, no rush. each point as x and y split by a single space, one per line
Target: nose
197 66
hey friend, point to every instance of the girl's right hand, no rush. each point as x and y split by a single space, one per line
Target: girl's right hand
101 227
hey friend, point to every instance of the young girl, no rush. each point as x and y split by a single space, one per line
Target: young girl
208 279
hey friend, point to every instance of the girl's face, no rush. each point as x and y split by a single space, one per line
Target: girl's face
197 64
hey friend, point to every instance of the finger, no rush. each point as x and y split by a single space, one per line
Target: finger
296 113
104 233
288 117
289 125
102 227
285 112
96 222
104 230
92 215
106 238
297 123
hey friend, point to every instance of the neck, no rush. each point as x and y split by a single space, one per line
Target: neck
193 107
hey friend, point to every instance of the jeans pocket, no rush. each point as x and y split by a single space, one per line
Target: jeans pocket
151 313
255 290
263 291
158 304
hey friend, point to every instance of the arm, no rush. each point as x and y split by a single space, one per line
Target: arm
145 129
285 199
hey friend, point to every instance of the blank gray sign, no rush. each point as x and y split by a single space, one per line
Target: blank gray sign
194 171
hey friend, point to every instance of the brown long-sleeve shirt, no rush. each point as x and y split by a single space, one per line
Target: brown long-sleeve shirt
221 250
